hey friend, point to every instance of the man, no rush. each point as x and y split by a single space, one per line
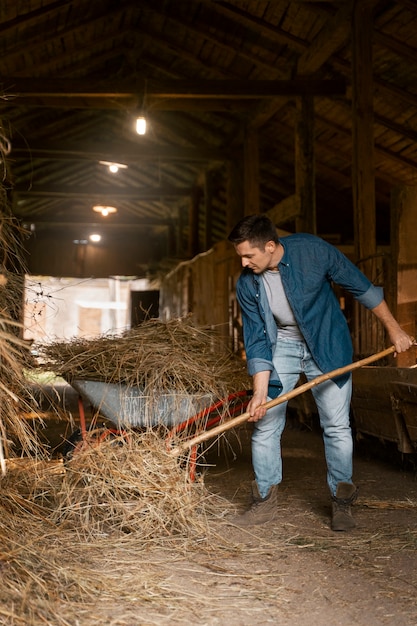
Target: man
292 323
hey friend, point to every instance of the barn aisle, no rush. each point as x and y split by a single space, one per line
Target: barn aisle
305 572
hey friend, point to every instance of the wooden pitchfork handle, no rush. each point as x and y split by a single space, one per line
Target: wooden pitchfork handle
240 419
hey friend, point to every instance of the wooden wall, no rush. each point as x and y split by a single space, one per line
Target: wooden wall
205 288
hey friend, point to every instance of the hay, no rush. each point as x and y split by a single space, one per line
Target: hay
131 484
14 394
76 537
156 356
128 484
388 504
14 351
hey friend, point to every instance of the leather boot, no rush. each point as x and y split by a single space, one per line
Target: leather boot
342 519
262 510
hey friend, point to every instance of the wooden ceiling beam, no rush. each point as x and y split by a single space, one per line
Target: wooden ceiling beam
116 153
335 34
339 177
18 90
384 153
221 43
51 222
32 17
37 38
402 49
274 33
388 90
332 37
109 192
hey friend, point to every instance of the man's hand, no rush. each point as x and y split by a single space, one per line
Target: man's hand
402 341
398 337
255 409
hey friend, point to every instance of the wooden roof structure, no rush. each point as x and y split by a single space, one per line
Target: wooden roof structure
222 84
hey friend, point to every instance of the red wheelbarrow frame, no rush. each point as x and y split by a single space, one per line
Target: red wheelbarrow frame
178 428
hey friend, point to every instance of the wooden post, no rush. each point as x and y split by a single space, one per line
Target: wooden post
193 222
404 254
208 209
172 242
251 172
305 183
180 229
234 190
363 174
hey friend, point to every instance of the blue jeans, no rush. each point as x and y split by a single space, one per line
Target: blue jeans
291 358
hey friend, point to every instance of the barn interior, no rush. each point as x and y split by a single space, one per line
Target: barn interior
303 110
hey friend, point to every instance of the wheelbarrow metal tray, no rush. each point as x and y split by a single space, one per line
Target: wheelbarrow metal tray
129 406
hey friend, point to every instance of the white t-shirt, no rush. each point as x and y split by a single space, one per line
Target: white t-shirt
280 307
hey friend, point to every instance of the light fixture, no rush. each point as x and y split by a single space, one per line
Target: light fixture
104 210
141 125
95 237
114 167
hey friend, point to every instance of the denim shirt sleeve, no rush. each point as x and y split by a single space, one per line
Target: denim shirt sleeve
347 275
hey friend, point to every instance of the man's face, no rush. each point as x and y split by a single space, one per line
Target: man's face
256 259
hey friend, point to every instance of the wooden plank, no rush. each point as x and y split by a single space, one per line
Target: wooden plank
102 191
118 152
234 191
363 168
285 211
66 89
384 403
404 255
31 18
193 222
208 209
335 34
363 174
251 172
311 61
305 186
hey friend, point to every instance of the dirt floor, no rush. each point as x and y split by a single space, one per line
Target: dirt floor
292 571
295 570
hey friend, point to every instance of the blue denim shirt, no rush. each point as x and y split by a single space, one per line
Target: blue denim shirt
308 268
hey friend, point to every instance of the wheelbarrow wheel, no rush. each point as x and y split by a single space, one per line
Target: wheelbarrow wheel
76 441
71 444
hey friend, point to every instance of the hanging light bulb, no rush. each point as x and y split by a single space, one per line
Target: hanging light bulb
104 210
113 167
141 125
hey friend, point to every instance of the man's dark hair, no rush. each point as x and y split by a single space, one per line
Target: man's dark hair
256 229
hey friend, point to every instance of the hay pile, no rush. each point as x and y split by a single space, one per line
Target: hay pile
156 356
15 395
125 485
131 484
79 537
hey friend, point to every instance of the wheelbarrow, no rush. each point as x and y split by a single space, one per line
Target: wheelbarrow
127 407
